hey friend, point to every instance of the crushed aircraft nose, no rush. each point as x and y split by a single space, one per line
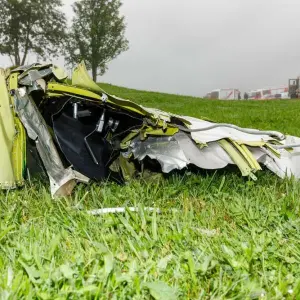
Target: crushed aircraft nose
81 133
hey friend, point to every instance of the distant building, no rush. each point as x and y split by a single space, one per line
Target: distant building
224 94
269 93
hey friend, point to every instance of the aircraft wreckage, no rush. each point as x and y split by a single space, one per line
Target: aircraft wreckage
82 133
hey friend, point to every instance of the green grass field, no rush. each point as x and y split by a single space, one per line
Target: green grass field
218 236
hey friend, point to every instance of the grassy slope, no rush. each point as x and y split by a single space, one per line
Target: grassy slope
218 236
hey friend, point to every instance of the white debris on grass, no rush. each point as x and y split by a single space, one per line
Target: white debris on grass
113 210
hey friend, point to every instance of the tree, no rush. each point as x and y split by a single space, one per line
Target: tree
96 35
31 26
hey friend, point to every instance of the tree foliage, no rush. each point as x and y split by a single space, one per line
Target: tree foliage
97 34
31 26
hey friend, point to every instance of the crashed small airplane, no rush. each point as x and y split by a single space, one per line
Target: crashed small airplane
82 133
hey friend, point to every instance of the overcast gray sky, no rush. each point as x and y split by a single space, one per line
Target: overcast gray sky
193 46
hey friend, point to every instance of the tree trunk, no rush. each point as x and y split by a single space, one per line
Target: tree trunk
28 28
17 56
16 52
17 60
24 58
94 73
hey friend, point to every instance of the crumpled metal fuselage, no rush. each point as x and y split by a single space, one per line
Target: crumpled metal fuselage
82 133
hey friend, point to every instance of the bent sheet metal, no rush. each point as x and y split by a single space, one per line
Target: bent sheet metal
82 133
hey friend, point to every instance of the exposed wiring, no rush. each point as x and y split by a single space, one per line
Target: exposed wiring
128 115
277 134
89 148
286 146
112 156
124 131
